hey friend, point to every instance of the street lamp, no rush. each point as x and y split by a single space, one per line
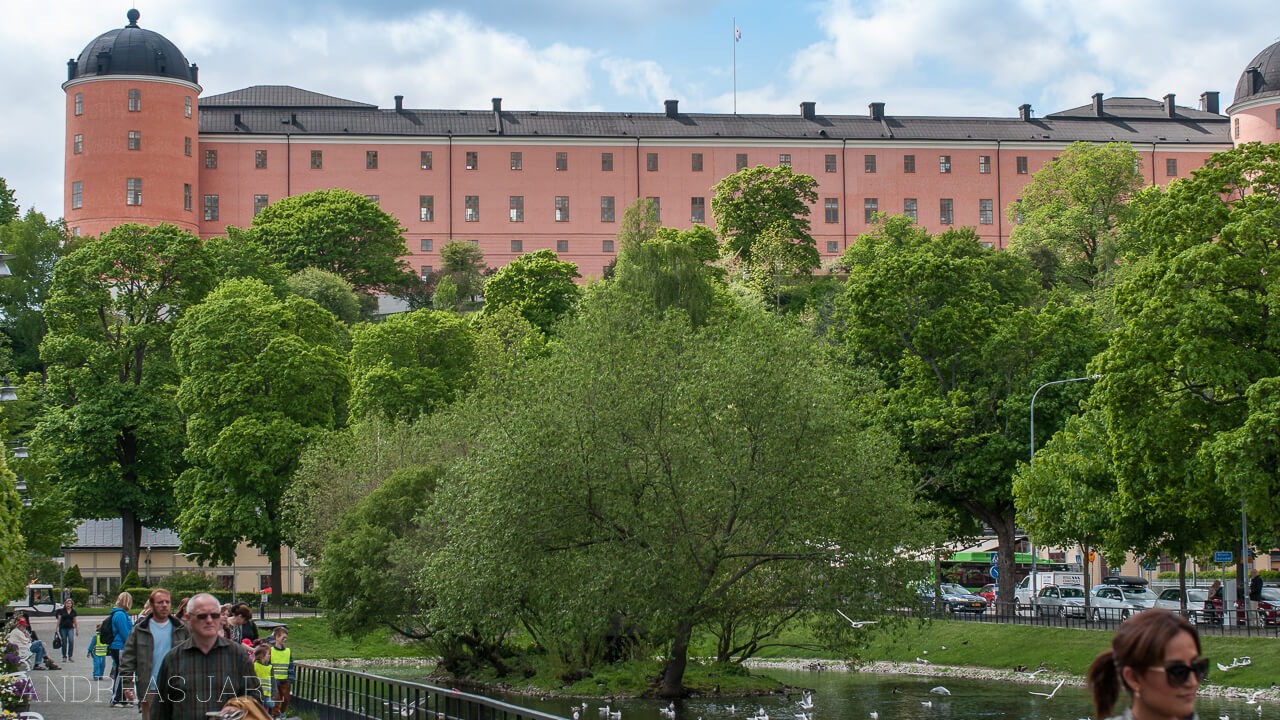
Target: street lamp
8 393
1032 459
4 264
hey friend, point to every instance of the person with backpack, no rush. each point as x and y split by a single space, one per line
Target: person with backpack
98 654
114 632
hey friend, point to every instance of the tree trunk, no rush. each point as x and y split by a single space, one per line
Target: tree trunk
673 670
1085 565
130 539
1182 582
276 590
1003 525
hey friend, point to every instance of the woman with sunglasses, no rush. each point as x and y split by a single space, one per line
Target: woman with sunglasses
1155 657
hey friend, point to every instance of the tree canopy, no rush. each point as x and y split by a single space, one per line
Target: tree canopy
328 290
463 262
410 364
672 270
36 244
538 284
753 201
13 551
8 203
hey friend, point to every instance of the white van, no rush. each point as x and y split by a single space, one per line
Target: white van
1024 596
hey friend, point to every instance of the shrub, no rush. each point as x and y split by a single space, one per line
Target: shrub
131 580
79 595
73 579
186 584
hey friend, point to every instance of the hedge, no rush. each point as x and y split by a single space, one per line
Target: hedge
299 600
1266 575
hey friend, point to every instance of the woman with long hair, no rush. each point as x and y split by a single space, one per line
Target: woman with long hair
1155 658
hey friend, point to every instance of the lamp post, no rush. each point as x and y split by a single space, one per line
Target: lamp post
1033 458
8 393
4 264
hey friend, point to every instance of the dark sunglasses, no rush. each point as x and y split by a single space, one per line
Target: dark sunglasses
207 616
1179 673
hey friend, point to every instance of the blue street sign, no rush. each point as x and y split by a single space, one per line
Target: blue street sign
1078 558
1224 556
994 572
993 559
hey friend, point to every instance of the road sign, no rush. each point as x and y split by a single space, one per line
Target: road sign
994 572
993 559
1223 556
1077 558
1091 556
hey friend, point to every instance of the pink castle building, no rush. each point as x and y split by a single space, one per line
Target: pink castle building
143 146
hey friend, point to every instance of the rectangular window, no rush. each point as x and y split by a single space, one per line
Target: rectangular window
516 205
370 159
260 159
317 159
135 139
656 204
77 195
1137 164
1171 167
1017 212
742 161
870 206
784 159
133 191
517 246
186 146
606 209
832 208
79 103
75 231
562 208
77 145
135 101
986 212
868 163
909 209
1278 119
517 161
186 196
945 214
424 271
606 246
471 209
425 244
562 246
259 204
375 199
424 159
210 207
833 246
606 162
473 159
830 163
426 208
211 158
1021 161
1236 127
908 163
562 161
651 162
984 164
186 111
944 164
698 210
696 162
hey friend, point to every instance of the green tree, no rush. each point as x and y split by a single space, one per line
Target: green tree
261 377
47 523
36 244
539 284
1072 219
653 494
639 223
339 231
328 290
13 551
755 200
8 204
73 578
446 295
672 270
955 334
410 364
463 262
112 430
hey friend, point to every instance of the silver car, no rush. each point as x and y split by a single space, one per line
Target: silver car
1061 600
1170 599
1117 602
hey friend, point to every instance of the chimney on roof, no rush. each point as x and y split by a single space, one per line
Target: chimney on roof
195 73
1097 104
809 109
399 103
1169 108
1024 111
497 114
673 108
1209 101
877 110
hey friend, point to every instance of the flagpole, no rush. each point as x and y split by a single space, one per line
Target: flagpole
735 65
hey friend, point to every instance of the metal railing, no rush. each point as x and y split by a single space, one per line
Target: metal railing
1236 623
335 694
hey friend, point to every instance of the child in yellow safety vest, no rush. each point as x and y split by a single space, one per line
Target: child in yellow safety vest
98 653
262 667
281 670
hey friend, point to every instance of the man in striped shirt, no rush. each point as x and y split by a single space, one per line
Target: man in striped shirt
201 676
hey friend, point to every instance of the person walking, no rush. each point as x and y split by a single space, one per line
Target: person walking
205 674
67 629
98 654
152 638
121 626
1155 658
282 671
1255 592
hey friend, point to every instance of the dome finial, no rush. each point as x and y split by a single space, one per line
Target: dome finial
133 16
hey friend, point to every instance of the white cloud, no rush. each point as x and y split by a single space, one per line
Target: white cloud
644 80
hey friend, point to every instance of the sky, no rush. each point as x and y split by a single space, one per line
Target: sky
920 57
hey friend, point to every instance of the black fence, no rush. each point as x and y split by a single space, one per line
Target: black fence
1236 623
334 694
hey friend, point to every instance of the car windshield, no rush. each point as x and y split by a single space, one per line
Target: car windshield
950 589
1195 595
1270 593
1139 594
1072 592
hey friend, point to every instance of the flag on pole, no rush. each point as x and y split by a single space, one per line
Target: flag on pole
737 34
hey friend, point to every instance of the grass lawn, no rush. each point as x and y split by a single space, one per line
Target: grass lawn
311 640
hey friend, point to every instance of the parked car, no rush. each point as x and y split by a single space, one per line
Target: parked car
989 592
1061 600
1269 606
1117 602
956 598
1170 599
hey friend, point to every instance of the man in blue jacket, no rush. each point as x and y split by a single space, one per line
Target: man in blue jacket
121 625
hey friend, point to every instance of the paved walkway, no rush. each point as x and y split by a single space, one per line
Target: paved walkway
71 693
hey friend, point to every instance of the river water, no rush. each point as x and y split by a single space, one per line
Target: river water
854 696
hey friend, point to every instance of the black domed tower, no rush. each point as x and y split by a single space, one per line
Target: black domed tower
132 132
1255 112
